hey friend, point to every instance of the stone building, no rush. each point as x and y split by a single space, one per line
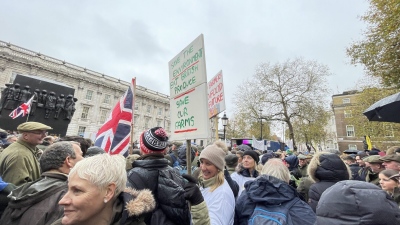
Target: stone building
97 93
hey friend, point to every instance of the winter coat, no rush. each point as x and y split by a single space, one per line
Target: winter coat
354 168
354 202
325 169
129 202
220 204
372 178
304 187
303 170
145 174
36 203
268 190
242 176
18 163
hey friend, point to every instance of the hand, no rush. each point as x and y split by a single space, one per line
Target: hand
192 191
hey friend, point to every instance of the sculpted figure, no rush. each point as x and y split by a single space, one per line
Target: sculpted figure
68 107
59 105
25 94
17 95
34 102
42 99
50 104
4 94
9 102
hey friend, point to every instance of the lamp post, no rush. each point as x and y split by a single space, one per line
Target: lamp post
224 120
261 123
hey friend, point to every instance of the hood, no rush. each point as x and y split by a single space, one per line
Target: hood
328 167
135 203
293 162
356 202
269 190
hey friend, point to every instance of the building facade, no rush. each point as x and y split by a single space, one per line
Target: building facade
97 93
346 134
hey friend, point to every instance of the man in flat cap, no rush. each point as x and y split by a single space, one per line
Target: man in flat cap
375 166
391 162
18 162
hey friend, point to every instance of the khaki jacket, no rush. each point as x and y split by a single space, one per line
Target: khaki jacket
18 163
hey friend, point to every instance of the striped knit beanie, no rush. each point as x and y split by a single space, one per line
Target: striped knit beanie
154 140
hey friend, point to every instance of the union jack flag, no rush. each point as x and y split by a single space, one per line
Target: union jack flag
114 135
22 110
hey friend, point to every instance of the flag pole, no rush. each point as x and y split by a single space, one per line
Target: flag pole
133 110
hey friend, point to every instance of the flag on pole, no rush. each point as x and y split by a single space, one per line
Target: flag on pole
368 141
114 135
22 110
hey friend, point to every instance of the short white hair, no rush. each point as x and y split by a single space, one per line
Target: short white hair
276 168
102 170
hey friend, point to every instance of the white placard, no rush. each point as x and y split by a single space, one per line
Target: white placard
216 97
188 69
189 118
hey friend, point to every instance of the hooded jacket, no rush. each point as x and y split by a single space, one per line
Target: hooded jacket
325 169
268 190
36 203
354 202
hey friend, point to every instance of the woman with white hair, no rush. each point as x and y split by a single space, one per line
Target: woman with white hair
214 188
270 198
97 194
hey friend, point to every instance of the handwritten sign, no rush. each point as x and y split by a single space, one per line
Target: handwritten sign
188 92
189 115
216 98
188 69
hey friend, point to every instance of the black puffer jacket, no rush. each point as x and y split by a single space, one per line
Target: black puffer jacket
325 169
354 202
152 172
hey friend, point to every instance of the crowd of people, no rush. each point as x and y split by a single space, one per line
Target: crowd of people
67 180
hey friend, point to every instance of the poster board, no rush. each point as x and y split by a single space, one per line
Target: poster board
188 93
216 97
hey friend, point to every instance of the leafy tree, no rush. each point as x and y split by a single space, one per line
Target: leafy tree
380 132
379 52
241 126
283 91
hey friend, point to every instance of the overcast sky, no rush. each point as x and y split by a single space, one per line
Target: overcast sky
126 39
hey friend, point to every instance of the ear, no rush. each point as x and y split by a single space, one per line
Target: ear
110 191
68 162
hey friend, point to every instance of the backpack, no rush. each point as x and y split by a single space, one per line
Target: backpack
272 214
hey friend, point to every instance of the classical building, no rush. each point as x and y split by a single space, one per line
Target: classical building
97 93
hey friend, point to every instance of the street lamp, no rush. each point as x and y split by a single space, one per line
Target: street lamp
261 123
224 120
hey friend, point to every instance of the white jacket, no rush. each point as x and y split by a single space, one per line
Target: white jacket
220 203
240 180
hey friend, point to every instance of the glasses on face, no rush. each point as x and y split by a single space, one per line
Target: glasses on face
41 132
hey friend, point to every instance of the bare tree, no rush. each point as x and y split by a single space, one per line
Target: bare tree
282 90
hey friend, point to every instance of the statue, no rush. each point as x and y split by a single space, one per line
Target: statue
59 105
42 99
17 95
9 101
50 104
34 102
25 94
4 94
68 107
73 106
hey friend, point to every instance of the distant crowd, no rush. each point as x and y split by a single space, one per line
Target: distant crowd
66 180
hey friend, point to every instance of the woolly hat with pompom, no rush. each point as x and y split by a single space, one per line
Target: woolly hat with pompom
215 155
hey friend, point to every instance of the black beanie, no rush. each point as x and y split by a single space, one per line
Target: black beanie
253 155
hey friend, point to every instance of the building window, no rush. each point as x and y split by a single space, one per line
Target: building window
346 100
149 108
103 115
388 130
81 131
85 112
347 114
350 131
352 147
89 95
137 105
158 123
146 123
159 111
168 125
107 99
136 120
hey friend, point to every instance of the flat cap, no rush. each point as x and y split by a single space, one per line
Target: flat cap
392 157
372 159
29 126
231 160
301 156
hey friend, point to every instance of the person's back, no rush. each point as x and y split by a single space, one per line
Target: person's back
354 202
151 171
